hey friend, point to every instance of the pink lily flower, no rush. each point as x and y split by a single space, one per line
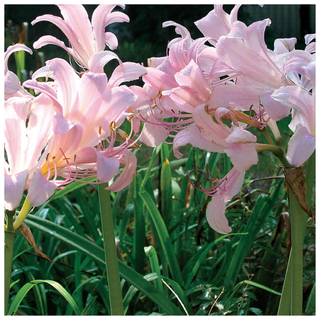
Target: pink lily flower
86 39
258 70
24 143
213 135
12 86
217 23
87 111
302 144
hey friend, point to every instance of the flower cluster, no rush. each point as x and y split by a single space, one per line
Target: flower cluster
218 86
206 92
68 131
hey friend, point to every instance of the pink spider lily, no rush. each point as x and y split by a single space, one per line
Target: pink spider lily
215 136
302 143
217 23
12 86
257 70
88 110
27 131
86 39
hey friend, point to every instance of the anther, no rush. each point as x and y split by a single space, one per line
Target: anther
113 126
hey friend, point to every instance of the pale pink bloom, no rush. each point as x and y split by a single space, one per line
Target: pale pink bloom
87 111
12 86
227 188
27 131
86 38
153 132
302 143
257 69
213 135
217 22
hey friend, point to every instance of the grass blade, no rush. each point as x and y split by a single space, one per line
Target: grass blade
163 235
25 289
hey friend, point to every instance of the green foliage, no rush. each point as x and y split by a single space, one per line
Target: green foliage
169 263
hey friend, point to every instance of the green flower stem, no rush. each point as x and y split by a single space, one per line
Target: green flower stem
267 135
278 152
292 294
22 214
9 236
298 227
110 251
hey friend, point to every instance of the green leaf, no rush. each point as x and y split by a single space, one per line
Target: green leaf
154 265
163 235
166 192
262 209
25 289
139 236
97 254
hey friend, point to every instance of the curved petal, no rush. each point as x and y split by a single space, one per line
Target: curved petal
67 81
210 129
192 76
46 89
15 139
127 174
302 101
301 146
107 168
217 22
126 71
40 189
13 189
77 19
97 62
152 135
98 23
10 50
274 109
230 186
111 40
242 155
45 40
192 135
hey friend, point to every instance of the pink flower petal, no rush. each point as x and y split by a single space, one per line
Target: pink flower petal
13 189
152 135
192 135
230 187
10 50
99 22
107 168
100 59
242 155
274 109
127 174
217 22
301 146
40 189
125 72
234 97
192 76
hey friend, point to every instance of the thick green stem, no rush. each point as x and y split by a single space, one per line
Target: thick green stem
110 251
298 228
9 237
292 295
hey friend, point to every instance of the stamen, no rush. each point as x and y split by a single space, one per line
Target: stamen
113 126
